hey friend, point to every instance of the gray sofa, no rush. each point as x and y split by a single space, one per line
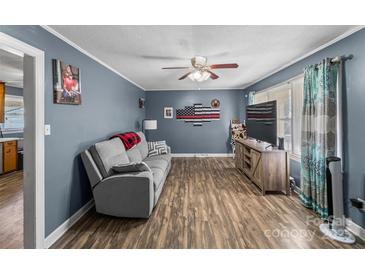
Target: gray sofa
125 194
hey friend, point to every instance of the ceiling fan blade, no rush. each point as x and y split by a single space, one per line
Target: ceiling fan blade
185 75
176 68
223 66
213 75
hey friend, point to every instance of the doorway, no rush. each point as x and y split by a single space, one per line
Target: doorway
33 144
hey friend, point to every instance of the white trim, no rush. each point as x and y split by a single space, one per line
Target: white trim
34 179
338 38
191 89
283 83
13 85
297 190
355 229
74 45
66 225
201 155
295 157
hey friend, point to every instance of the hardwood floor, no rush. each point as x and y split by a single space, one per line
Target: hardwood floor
11 210
206 203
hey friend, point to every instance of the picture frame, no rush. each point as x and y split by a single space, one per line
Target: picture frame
168 113
66 83
141 102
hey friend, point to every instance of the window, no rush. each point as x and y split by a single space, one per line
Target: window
289 101
14 114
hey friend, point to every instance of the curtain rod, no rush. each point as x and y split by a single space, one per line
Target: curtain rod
338 59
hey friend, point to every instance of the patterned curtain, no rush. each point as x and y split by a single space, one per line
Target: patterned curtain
318 133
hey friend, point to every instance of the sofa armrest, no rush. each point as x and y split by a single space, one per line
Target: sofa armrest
125 195
168 149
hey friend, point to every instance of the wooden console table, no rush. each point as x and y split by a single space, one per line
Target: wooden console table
266 168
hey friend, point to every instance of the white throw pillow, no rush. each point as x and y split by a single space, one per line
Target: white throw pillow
157 148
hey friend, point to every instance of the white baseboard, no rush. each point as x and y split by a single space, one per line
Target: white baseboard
202 155
355 229
62 229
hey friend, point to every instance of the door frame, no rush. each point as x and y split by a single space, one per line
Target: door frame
34 170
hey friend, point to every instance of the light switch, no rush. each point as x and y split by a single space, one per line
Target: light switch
47 129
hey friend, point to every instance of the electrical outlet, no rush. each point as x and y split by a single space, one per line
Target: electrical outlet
47 130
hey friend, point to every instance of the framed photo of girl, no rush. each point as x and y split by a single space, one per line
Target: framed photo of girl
66 83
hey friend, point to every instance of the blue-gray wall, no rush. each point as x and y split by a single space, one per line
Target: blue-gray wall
109 104
354 112
212 137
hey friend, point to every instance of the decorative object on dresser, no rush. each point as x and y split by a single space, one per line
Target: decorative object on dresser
281 143
266 167
198 114
168 113
237 132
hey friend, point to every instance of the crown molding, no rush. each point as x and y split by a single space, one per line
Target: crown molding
192 89
74 45
333 41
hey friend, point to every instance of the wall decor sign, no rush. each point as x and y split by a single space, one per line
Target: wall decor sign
215 103
66 83
141 102
168 113
198 114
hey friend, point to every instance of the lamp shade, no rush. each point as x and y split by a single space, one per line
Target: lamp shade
150 124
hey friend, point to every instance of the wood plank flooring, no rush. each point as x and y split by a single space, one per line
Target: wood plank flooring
206 203
11 210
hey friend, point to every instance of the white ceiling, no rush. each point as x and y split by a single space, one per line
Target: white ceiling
139 52
11 69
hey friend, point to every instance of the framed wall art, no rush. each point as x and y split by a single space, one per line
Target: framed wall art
168 113
66 83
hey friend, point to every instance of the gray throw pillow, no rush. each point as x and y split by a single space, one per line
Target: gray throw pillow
131 167
157 148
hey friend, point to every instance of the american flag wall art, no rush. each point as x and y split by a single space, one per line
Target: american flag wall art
198 114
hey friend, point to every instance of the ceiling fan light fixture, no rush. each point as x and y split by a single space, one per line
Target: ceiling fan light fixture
199 76
199 61
200 71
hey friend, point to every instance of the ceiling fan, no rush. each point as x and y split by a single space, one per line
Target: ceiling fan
201 71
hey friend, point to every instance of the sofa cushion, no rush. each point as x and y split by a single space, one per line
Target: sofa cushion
156 163
157 148
165 157
142 146
108 154
158 176
134 155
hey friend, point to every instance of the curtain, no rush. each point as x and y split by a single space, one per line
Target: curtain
251 98
318 133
